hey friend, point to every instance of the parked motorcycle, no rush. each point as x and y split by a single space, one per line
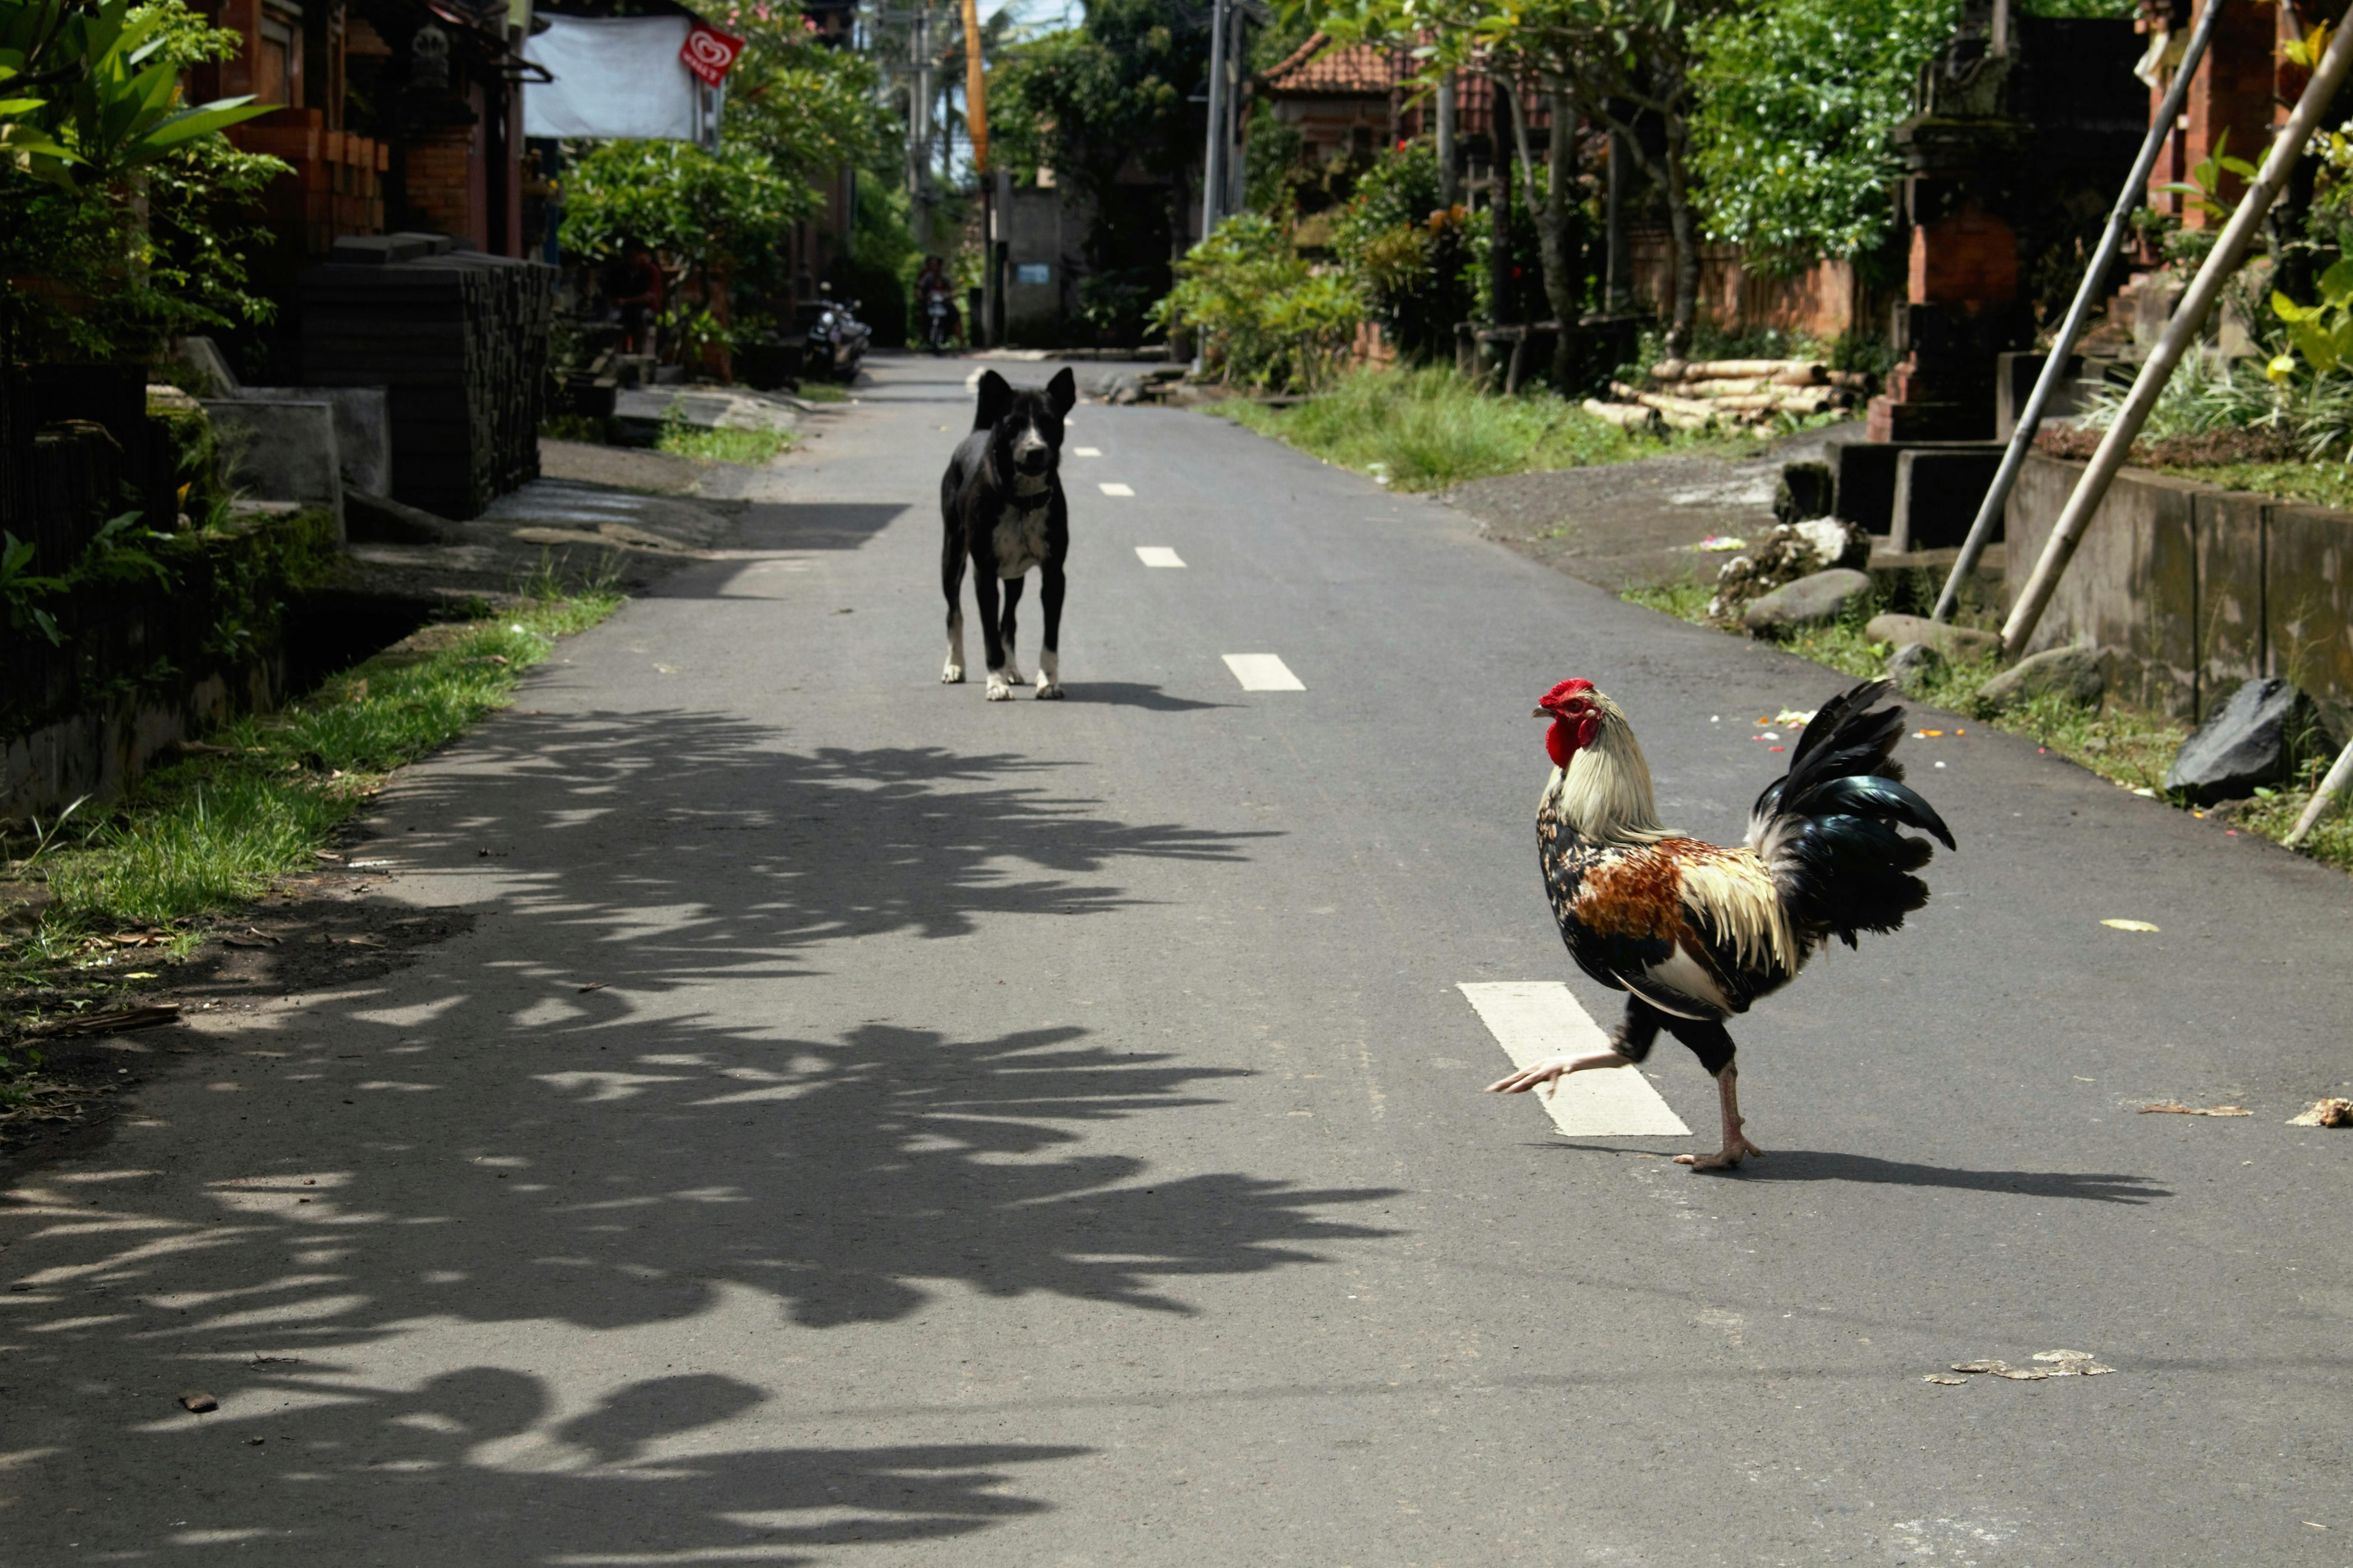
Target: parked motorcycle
837 340
939 320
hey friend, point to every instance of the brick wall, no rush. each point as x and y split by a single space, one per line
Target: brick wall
1823 301
1969 258
2231 94
439 182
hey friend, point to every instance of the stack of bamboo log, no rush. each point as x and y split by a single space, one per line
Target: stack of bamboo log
1690 394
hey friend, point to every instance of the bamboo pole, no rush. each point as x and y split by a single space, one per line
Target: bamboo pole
2188 319
2021 439
2339 775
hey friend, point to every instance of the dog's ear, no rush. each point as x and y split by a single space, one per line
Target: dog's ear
996 397
1062 392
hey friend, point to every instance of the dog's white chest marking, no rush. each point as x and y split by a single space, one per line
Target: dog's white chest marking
1019 541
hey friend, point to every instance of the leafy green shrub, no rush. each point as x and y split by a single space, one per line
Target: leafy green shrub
1413 261
1268 318
1428 428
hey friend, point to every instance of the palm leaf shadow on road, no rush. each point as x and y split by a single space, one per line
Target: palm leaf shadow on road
655 838
474 1141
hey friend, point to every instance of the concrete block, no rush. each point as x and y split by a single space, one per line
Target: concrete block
363 428
2231 624
2307 602
1862 476
282 451
203 355
1938 493
2013 385
2131 587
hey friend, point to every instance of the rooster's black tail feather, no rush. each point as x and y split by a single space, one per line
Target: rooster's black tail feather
1827 828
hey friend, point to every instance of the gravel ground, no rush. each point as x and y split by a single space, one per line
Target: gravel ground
1630 525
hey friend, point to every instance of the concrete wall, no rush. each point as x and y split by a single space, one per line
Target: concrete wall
2197 588
1037 234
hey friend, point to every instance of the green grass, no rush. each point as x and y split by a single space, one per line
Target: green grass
821 391
2127 747
212 832
1427 430
2322 484
752 449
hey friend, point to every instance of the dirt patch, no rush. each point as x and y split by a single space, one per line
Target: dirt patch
625 468
2210 449
1634 525
312 933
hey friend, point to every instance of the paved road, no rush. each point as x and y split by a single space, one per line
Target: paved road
1041 1133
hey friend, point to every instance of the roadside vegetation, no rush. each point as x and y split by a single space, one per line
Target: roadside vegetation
2130 749
1429 428
262 799
753 449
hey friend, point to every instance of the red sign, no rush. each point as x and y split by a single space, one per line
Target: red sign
708 52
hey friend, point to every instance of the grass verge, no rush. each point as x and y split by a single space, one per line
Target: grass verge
2130 749
1429 428
260 799
752 449
2322 484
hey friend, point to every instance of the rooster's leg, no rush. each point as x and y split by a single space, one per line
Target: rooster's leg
1736 1146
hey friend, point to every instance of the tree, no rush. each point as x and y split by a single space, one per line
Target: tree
1795 101
1130 82
122 212
94 86
1626 63
798 111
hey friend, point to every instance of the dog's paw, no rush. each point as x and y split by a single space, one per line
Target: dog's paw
951 676
1011 675
999 690
1049 688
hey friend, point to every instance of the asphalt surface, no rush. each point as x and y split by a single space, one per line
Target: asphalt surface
1040 1133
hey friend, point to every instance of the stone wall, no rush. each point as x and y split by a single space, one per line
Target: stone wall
140 664
2196 588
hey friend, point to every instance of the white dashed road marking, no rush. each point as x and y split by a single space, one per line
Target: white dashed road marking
1158 555
1112 487
1085 451
1533 1019
1262 673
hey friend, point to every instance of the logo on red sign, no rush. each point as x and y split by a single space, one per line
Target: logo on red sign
708 52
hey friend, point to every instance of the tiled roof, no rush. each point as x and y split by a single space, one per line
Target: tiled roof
1316 66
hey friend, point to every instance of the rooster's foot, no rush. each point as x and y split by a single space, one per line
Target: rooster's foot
1724 1159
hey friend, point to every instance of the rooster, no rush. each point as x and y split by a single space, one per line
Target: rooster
1695 931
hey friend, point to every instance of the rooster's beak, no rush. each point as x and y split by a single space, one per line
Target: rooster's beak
1540 713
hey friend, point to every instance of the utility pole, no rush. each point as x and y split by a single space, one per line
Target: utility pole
1450 179
1213 167
1618 289
1236 166
919 123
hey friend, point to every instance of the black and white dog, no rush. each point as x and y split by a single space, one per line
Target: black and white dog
1002 500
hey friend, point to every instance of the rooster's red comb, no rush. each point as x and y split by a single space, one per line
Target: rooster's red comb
1564 691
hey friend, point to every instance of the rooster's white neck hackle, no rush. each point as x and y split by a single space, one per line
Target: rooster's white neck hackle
1604 793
